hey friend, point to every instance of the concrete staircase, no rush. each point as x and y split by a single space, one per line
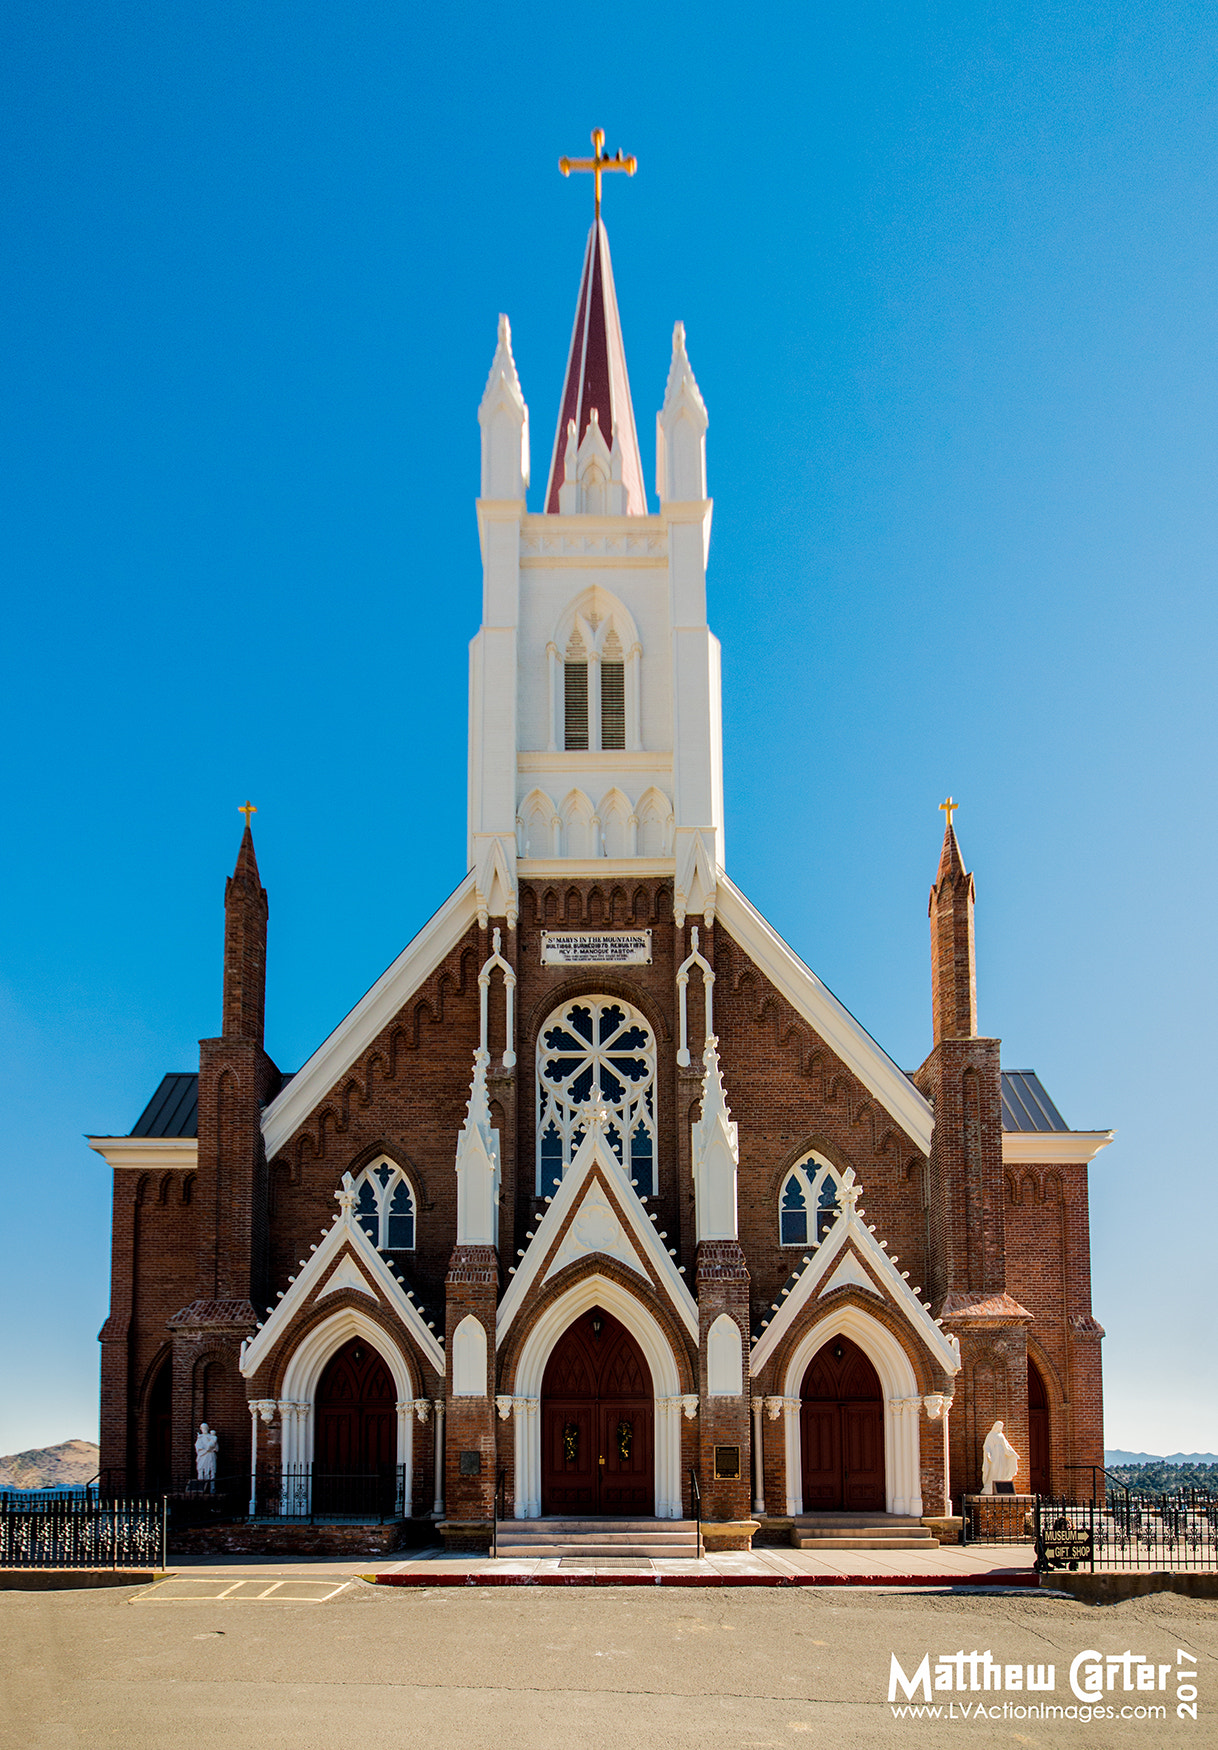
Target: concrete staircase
596 1539
817 1531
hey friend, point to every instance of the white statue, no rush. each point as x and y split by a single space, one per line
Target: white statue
206 1447
999 1462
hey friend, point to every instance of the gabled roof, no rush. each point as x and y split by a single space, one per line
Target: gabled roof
617 1225
826 1016
596 378
363 1263
1026 1105
852 1243
370 1016
173 1110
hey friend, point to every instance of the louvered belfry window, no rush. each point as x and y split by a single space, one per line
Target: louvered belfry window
575 701
613 704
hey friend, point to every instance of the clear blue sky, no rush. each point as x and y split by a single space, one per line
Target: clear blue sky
948 276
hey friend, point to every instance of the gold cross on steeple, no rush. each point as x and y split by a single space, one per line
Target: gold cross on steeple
247 808
599 163
949 808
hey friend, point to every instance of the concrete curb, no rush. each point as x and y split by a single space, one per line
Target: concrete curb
1112 1588
1020 1577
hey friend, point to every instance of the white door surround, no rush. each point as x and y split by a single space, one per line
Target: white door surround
525 1399
902 1406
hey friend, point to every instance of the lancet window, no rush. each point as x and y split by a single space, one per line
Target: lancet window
808 1204
594 668
385 1206
596 1053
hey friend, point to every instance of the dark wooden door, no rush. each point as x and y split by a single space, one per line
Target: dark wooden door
1038 1433
597 1423
356 1415
159 1470
841 1427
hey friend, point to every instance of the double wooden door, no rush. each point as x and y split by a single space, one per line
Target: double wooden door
356 1427
597 1423
841 1425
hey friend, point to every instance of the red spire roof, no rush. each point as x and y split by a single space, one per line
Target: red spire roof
596 378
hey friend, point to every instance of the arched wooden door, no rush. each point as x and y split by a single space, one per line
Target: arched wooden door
159 1467
1038 1433
356 1414
841 1424
597 1422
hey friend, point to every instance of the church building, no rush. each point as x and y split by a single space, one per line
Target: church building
599 1203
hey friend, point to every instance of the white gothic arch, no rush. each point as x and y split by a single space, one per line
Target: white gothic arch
298 1393
600 618
538 826
902 1406
539 1345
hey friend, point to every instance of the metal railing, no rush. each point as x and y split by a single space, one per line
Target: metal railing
305 1493
695 1501
996 1519
79 1531
1119 1528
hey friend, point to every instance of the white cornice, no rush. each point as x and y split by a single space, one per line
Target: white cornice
370 1016
1053 1147
147 1152
591 868
825 1015
595 760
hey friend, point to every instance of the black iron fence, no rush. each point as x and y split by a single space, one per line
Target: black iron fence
81 1531
1120 1528
307 1493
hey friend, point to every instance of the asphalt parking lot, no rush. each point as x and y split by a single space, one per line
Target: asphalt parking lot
233 1661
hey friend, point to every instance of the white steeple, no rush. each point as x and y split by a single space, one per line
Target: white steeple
595 732
716 1155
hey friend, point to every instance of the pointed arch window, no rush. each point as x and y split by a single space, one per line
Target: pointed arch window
808 1203
385 1206
596 1052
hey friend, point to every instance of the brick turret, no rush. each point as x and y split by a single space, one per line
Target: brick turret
236 1078
245 920
953 966
965 1216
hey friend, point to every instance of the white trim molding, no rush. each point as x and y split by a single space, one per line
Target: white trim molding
1021 1148
902 1402
670 1402
149 1153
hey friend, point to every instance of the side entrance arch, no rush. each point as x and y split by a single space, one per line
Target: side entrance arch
1038 1432
597 1422
842 1431
356 1413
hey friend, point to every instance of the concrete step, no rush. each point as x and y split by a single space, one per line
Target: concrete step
898 1533
602 1538
856 1521
861 1540
604 1523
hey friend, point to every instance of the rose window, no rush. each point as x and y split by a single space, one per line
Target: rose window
596 1053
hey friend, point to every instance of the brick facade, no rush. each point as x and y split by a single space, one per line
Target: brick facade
1001 1256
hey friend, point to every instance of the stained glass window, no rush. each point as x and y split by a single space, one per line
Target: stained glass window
595 1053
385 1208
808 1203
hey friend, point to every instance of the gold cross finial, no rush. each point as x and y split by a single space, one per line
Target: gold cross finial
247 808
949 808
599 163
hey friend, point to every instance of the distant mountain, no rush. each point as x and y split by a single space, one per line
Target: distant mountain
49 1467
1116 1456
